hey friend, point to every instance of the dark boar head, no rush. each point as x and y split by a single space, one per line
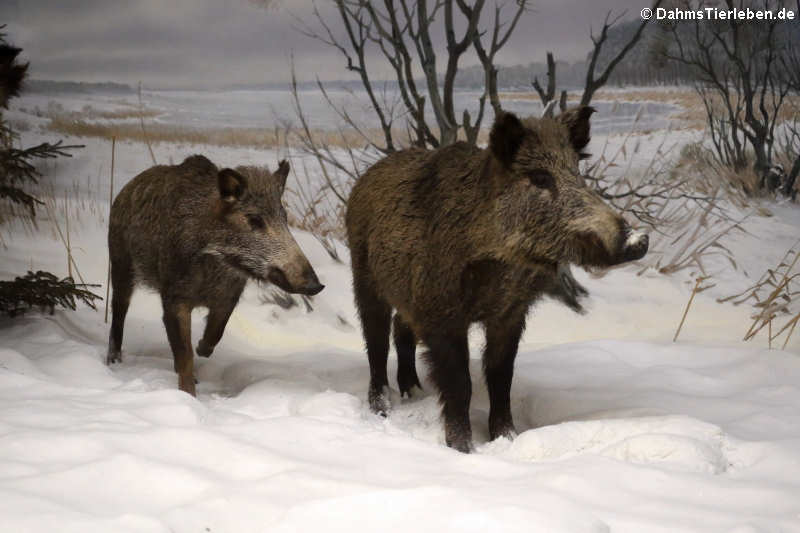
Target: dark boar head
253 237
542 208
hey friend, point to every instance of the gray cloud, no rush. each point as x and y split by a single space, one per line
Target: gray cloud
217 42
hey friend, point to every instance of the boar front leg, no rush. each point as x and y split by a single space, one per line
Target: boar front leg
376 322
215 326
449 359
177 320
502 340
405 344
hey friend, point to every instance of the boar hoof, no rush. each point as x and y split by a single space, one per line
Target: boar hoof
461 444
507 432
412 392
458 435
203 349
408 381
186 384
113 357
379 400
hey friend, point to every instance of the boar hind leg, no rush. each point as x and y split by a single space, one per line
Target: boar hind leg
449 361
177 320
502 340
122 284
376 316
215 325
405 343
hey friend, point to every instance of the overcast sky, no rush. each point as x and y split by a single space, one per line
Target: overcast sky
166 43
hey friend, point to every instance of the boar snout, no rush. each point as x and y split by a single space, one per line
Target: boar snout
603 238
296 277
311 286
635 245
603 246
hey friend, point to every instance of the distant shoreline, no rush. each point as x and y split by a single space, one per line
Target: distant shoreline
81 87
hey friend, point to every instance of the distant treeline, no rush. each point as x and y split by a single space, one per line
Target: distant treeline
645 64
51 86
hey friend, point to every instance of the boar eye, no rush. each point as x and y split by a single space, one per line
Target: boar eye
541 179
256 222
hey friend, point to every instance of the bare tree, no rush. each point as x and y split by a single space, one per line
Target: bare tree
403 32
739 76
790 68
593 80
549 95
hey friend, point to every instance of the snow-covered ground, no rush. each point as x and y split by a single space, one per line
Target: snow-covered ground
620 429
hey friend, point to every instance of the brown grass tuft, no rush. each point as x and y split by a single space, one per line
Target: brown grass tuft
235 137
167 133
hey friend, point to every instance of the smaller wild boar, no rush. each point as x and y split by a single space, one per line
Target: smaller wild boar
459 235
196 234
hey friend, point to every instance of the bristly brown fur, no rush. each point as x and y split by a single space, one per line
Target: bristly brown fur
461 235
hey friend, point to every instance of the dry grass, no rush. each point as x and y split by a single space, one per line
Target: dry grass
677 94
90 113
696 290
234 137
698 164
158 133
773 297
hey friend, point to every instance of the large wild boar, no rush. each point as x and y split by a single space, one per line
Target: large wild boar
460 235
196 234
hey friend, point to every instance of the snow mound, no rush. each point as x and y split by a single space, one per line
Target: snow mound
674 442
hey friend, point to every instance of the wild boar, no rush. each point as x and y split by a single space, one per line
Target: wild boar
460 235
195 234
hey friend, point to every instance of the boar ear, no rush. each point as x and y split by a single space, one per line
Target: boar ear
232 185
282 173
577 122
506 137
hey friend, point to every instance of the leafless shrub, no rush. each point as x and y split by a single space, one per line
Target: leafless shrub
789 152
707 174
687 218
313 210
740 73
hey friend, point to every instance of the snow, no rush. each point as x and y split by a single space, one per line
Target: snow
620 430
